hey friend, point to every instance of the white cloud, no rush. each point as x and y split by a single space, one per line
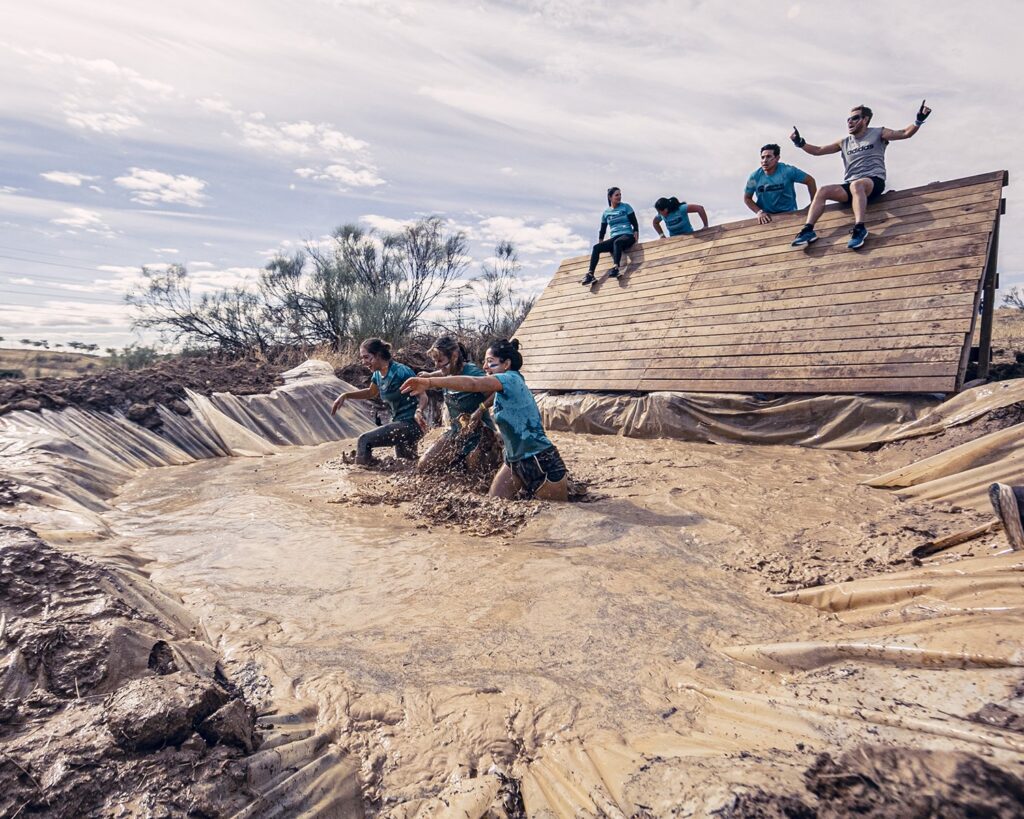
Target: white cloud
165 250
102 122
151 187
330 154
90 221
551 236
69 178
9 189
384 223
345 176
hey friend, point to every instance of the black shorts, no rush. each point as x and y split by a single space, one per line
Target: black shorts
534 470
875 191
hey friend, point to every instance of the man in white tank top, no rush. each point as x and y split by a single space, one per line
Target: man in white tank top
863 150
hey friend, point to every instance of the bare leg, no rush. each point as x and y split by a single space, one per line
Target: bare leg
505 484
829 193
439 450
860 190
554 491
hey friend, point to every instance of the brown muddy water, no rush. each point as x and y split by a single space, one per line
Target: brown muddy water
625 656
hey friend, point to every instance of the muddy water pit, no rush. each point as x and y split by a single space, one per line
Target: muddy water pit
591 662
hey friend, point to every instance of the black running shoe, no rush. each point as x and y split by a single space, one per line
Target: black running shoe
613 273
588 280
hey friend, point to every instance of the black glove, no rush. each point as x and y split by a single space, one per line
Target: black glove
798 140
922 114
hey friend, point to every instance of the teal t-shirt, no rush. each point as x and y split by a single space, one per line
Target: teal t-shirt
617 219
677 222
518 419
460 402
403 407
775 193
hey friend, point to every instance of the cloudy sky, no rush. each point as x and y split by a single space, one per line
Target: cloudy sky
215 134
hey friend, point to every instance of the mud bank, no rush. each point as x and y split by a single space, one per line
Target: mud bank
726 629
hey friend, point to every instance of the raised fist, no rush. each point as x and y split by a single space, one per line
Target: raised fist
798 140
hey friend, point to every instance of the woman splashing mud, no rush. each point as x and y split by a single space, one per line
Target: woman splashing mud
532 463
467 410
407 425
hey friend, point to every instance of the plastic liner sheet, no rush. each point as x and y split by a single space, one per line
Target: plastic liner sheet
849 422
962 475
76 459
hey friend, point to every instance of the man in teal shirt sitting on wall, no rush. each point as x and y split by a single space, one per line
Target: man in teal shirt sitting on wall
773 185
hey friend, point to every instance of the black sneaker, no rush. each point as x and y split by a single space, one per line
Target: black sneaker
860 233
613 273
588 280
806 236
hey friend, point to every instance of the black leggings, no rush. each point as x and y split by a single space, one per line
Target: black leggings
614 246
402 435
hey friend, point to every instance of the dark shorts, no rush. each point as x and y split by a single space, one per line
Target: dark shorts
876 191
533 471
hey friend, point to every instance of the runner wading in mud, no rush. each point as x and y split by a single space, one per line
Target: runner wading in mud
863 150
676 216
532 463
451 358
773 185
407 425
625 230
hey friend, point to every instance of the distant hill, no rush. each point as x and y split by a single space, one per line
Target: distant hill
48 363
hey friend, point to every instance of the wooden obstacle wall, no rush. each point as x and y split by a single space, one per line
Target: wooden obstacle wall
735 309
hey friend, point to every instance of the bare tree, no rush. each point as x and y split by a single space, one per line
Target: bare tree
399 275
1014 298
233 319
495 289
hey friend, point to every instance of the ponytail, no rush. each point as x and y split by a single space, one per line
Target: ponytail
377 347
505 350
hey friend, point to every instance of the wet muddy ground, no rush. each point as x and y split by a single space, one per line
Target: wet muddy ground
578 652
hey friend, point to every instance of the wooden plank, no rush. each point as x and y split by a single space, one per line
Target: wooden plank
870 333
938 384
671 349
775 290
611 360
960 254
720 239
691 315
790 262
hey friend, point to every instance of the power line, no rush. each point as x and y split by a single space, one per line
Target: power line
51 264
67 295
50 278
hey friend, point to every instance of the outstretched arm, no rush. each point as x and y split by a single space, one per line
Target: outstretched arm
813 150
922 114
657 227
370 392
699 210
459 383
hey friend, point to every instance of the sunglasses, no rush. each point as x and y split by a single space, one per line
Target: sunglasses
854 119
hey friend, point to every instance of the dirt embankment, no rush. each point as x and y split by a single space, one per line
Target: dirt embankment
136 392
106 707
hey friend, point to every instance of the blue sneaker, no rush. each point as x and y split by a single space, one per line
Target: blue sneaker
806 236
860 233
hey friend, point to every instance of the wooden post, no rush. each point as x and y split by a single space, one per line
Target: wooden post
985 340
